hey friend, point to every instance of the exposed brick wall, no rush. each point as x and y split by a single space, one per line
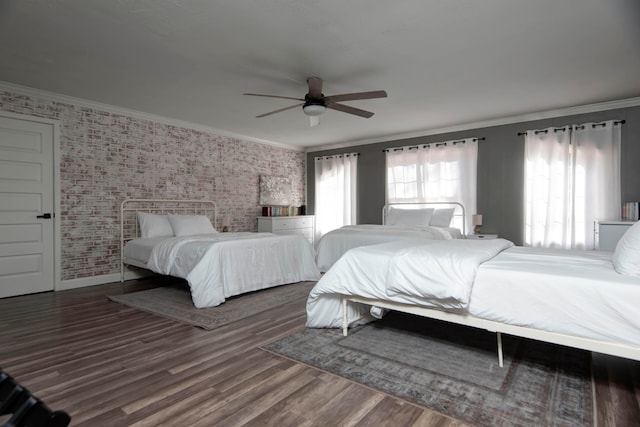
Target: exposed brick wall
106 158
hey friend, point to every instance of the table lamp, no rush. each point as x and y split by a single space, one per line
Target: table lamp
476 221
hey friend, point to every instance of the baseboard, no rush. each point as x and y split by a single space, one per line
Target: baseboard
101 280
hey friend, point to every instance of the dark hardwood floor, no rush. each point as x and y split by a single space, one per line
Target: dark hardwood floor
111 365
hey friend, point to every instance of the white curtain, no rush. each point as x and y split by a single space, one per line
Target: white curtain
572 178
441 172
335 186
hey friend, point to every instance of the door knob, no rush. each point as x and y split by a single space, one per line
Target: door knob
45 216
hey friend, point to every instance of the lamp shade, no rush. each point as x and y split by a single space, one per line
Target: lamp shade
313 109
476 219
225 221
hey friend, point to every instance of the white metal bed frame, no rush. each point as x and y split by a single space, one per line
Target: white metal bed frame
459 211
129 228
610 348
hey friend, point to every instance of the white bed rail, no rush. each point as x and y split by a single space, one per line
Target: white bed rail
129 209
610 348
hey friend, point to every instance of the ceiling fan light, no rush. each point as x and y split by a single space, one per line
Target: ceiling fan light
314 109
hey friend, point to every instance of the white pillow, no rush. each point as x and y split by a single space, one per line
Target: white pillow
154 225
189 225
442 217
409 217
626 257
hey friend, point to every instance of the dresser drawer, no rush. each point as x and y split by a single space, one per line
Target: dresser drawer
283 224
303 222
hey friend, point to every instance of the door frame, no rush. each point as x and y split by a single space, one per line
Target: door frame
55 124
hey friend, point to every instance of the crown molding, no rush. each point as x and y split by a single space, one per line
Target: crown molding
549 114
66 99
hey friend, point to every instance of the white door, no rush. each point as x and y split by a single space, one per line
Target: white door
26 197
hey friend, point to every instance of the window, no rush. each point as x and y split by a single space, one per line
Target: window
572 178
441 172
335 184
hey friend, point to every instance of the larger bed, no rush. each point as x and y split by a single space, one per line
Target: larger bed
572 298
401 221
178 238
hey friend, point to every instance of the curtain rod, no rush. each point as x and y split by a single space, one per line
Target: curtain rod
337 155
437 144
616 122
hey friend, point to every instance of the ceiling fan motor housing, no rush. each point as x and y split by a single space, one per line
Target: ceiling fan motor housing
314 107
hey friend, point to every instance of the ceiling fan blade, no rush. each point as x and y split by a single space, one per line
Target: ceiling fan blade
274 96
315 87
356 96
314 121
281 109
350 110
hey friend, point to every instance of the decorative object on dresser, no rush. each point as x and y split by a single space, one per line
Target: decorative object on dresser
631 211
301 224
476 221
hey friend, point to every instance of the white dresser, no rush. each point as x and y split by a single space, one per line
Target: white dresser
609 232
302 224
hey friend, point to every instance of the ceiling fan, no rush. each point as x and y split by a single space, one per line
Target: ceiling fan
315 103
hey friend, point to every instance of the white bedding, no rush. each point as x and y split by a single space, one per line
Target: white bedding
335 243
574 293
221 265
140 249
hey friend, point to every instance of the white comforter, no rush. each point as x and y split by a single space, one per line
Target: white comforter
430 273
335 243
221 265
576 293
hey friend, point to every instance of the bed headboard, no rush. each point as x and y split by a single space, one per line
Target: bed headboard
129 228
459 215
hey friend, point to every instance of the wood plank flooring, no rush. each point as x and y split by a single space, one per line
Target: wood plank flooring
108 364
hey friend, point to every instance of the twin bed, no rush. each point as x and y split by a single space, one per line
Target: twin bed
431 221
577 299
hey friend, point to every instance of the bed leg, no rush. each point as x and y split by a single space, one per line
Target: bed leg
345 320
500 359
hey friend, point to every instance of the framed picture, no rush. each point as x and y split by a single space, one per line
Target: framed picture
275 190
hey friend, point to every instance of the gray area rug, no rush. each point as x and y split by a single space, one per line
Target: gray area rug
454 370
174 302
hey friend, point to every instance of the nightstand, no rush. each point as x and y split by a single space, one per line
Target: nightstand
482 236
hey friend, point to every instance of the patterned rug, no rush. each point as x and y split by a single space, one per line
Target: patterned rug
174 301
454 370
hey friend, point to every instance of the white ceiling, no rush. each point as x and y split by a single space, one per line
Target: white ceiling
442 62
